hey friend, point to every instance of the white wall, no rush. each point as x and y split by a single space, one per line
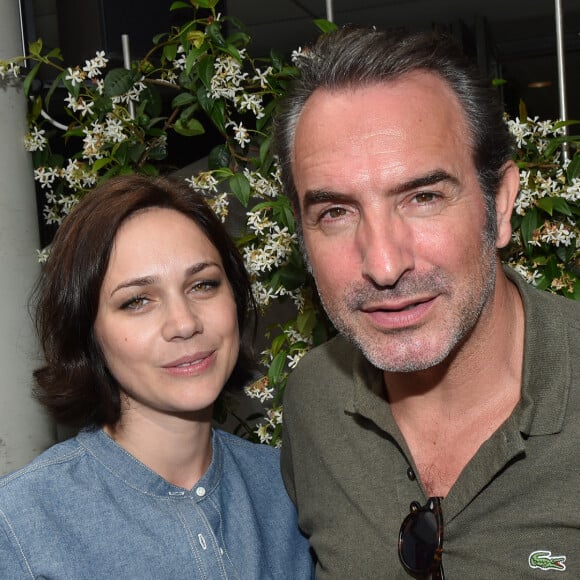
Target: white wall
24 429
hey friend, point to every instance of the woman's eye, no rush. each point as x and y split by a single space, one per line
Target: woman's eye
205 285
134 303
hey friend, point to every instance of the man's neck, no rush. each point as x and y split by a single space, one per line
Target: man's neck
447 412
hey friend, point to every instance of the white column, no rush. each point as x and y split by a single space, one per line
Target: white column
25 430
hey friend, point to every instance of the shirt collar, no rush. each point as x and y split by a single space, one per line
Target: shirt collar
135 474
546 370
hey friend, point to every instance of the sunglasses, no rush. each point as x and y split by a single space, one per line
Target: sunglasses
421 540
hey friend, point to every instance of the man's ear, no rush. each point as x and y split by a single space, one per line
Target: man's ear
504 202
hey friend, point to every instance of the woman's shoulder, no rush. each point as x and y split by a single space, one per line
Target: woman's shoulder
48 465
249 456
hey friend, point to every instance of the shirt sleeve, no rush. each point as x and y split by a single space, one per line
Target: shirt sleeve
13 562
287 468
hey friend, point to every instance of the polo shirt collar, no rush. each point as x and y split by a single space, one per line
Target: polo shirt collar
545 380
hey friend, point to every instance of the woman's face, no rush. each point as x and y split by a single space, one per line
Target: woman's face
167 320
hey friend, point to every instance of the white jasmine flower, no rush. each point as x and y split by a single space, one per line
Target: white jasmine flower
262 77
263 433
220 205
204 181
35 139
241 134
260 390
93 67
76 76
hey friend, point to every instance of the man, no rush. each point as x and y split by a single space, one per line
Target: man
452 383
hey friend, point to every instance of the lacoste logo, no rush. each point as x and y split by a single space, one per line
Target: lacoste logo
543 560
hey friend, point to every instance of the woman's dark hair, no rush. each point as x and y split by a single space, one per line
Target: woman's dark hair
353 57
75 385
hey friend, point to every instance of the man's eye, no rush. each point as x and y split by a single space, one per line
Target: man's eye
424 198
333 213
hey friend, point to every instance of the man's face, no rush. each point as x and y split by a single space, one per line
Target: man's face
393 218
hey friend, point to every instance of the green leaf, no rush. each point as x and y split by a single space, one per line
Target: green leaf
265 148
35 109
183 99
573 170
205 70
547 204
215 109
240 187
204 3
277 368
561 206
149 169
159 37
152 100
218 157
100 163
192 57
35 47
232 51
213 30
178 5
189 127
53 87
118 81
29 78
325 25
170 52
239 39
305 322
136 151
277 344
530 223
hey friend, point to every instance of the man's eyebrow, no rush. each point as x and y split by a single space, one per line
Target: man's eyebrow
149 280
318 196
431 178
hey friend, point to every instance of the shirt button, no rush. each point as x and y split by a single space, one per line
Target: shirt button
200 491
411 474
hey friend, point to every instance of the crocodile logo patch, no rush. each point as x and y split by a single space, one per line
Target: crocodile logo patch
543 560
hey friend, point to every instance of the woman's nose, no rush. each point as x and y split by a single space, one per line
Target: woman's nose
181 320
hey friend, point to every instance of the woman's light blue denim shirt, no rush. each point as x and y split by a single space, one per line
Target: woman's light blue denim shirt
87 509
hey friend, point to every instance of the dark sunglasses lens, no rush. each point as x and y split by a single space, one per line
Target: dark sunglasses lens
419 541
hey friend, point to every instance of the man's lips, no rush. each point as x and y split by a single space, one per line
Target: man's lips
396 305
400 313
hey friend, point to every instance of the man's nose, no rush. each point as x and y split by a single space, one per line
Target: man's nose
385 243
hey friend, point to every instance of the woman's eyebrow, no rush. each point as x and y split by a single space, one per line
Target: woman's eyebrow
149 280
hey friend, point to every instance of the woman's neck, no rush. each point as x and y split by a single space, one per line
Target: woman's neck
177 448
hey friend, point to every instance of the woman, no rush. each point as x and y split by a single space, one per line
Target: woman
141 310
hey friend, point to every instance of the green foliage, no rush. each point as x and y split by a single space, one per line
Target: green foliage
546 236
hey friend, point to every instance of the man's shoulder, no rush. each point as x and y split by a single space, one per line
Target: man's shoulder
335 355
326 367
545 304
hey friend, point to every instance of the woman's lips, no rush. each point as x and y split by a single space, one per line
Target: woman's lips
191 365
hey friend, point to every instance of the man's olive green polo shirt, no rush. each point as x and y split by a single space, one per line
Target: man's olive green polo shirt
513 513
